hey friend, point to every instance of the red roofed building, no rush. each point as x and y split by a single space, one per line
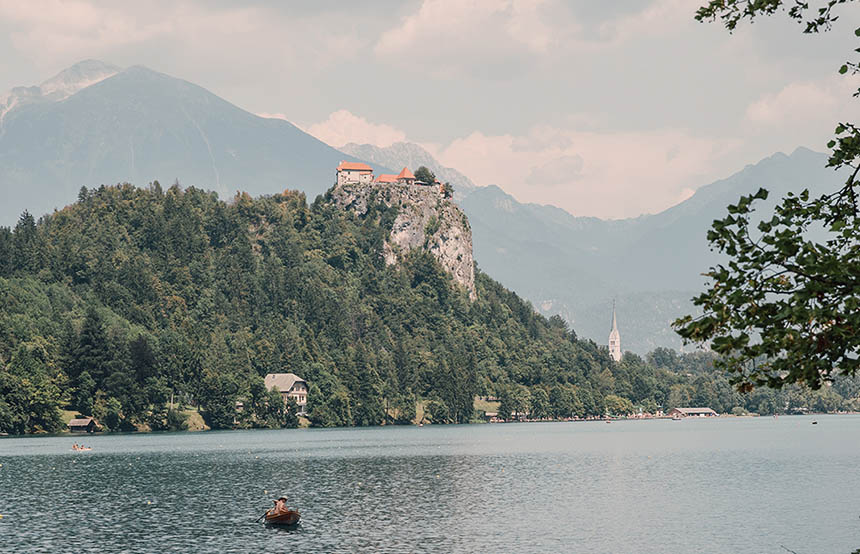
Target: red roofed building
386 179
354 172
405 177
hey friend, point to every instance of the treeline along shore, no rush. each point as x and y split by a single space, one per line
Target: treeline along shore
134 304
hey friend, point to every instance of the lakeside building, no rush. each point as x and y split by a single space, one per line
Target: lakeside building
84 425
354 172
692 412
614 339
289 385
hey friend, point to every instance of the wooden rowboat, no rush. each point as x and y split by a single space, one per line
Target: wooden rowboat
290 517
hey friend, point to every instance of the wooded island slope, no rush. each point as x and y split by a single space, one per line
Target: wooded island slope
132 297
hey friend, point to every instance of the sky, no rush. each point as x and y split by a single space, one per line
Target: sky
607 109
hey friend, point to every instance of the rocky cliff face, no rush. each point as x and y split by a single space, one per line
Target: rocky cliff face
424 220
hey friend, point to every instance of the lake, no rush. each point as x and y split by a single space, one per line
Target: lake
729 485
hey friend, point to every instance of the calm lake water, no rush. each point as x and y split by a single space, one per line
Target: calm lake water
721 486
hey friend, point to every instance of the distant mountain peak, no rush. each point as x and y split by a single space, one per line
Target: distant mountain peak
77 77
59 87
142 69
96 123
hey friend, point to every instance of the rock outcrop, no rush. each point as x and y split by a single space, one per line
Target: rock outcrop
425 219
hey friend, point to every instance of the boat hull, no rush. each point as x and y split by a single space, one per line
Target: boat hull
290 517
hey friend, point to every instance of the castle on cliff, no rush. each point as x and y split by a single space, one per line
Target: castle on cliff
361 173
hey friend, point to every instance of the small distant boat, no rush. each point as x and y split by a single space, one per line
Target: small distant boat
814 422
290 517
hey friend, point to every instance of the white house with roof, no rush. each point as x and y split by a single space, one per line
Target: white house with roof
289 385
354 172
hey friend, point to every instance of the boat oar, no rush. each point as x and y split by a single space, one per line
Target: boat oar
262 516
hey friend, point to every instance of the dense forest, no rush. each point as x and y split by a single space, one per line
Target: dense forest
133 304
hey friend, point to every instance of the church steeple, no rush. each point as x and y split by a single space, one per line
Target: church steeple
614 338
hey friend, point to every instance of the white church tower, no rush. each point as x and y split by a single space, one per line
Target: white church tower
614 338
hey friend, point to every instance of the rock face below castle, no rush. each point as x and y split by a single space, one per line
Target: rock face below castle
424 220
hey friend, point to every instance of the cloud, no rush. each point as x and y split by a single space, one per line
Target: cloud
562 170
802 113
343 127
541 138
803 99
491 37
659 17
438 21
74 28
604 174
244 37
503 38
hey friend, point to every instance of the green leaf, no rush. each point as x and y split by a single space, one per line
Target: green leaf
843 70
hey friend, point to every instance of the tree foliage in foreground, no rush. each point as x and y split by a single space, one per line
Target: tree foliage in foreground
785 308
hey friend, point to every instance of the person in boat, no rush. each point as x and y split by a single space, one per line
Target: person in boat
280 506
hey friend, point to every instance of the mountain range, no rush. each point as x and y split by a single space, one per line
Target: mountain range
96 123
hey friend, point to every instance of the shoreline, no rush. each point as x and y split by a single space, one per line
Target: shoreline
70 434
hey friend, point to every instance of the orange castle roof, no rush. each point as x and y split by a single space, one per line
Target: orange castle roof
386 178
406 174
353 166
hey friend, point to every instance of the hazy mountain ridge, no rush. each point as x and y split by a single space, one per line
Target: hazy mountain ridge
139 125
650 265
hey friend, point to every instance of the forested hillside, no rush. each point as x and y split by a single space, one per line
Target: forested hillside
131 298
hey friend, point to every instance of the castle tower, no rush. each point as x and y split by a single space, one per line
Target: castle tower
614 338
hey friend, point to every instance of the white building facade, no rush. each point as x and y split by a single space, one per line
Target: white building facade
289 385
354 172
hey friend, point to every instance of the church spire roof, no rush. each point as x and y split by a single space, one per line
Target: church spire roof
614 324
614 338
